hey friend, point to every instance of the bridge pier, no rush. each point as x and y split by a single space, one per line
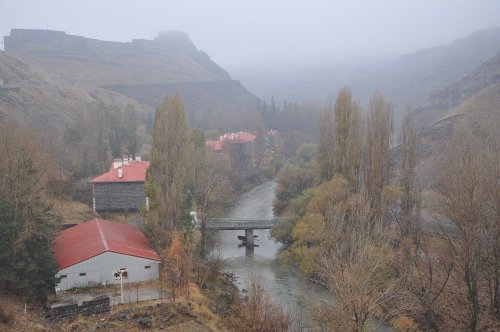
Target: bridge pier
249 238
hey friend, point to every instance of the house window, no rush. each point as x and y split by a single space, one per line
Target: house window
83 274
62 276
147 266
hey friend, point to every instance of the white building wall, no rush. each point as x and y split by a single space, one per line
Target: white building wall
100 269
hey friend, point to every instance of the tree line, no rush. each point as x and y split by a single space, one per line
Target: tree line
185 175
352 221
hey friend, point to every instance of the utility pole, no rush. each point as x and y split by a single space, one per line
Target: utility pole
121 274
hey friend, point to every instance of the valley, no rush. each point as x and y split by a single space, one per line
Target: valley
381 171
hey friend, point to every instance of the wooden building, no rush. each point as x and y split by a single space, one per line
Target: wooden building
122 187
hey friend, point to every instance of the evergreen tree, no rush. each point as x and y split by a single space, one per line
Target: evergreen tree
27 228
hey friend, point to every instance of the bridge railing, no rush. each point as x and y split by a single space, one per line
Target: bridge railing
238 223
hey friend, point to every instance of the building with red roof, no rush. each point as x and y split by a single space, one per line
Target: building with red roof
122 187
91 252
231 139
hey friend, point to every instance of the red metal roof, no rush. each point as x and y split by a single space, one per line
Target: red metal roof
133 172
97 236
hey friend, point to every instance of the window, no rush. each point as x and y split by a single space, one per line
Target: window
83 274
147 266
62 276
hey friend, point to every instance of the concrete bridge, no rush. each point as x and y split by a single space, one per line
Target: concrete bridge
248 225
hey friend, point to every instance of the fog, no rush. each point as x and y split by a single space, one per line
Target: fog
263 32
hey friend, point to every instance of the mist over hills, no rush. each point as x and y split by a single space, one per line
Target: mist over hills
411 78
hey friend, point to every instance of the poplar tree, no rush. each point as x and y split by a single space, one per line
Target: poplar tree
343 110
352 163
167 177
378 149
326 145
409 181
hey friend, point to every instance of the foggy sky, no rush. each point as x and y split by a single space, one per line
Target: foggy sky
250 32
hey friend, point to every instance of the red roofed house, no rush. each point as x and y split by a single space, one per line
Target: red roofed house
122 187
231 139
91 252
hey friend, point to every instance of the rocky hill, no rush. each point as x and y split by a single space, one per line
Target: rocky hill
473 99
171 57
447 98
33 97
433 140
144 70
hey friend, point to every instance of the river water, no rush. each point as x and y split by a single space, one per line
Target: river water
295 295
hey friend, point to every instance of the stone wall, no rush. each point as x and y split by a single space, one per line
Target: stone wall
95 306
63 310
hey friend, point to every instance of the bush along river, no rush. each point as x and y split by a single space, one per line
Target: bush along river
287 288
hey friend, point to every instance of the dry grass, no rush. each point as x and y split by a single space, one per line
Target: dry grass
6 316
72 212
202 307
13 318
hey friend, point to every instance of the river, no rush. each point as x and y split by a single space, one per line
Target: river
295 295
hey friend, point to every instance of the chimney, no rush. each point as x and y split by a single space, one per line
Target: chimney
120 172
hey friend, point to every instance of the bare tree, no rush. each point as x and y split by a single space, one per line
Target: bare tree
470 202
259 312
426 264
357 268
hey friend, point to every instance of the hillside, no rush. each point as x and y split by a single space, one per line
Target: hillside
452 95
171 57
31 96
144 70
483 107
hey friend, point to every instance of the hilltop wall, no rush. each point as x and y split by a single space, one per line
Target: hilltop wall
31 41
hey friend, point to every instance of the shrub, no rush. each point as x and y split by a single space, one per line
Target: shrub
6 315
